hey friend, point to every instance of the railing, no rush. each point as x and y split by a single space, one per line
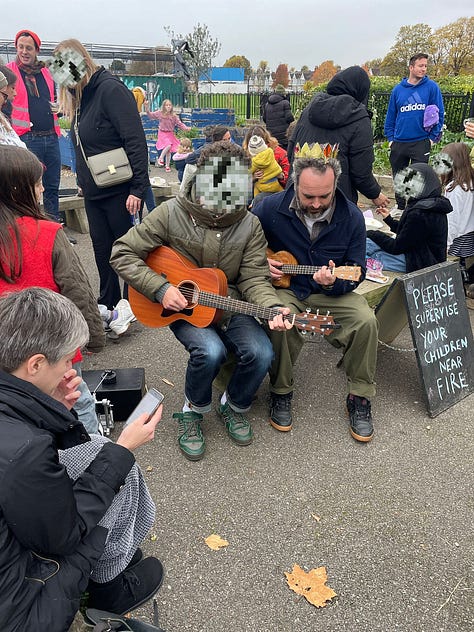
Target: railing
456 108
250 106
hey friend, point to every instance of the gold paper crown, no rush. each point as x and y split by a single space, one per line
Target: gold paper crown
323 152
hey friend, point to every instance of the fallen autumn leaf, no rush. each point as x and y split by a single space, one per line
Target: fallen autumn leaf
311 584
215 542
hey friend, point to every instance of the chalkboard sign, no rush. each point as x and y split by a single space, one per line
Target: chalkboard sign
441 330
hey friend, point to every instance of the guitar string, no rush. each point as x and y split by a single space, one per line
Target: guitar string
310 321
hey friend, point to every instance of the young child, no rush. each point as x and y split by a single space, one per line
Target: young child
422 231
459 183
263 159
167 142
185 148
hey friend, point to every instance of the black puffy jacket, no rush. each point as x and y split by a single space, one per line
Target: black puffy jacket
340 115
49 538
277 116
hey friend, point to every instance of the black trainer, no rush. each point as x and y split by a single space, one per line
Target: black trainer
133 587
360 417
280 411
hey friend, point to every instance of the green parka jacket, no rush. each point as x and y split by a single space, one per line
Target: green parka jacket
234 242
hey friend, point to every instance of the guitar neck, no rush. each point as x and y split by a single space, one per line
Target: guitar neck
235 306
289 268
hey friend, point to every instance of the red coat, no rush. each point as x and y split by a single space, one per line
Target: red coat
282 159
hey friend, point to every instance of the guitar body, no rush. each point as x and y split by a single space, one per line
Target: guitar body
283 256
190 279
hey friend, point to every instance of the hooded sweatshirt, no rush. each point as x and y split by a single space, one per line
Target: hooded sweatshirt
406 108
340 115
422 231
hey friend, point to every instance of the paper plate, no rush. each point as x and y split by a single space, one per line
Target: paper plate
157 182
372 223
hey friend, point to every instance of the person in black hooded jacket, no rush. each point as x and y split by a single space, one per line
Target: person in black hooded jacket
340 115
421 233
277 115
107 118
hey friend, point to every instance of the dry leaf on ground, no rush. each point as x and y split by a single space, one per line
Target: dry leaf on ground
163 379
215 542
311 585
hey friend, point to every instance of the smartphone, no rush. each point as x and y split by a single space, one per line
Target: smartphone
148 404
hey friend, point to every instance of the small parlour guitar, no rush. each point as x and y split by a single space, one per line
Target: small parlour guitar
205 290
290 267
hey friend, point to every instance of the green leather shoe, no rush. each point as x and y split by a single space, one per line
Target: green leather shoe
237 426
190 437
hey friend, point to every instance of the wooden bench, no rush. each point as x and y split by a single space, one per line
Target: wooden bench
373 292
75 212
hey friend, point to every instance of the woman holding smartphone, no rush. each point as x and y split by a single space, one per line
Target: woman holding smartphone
73 510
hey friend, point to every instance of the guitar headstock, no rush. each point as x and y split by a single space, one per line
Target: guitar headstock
347 273
315 323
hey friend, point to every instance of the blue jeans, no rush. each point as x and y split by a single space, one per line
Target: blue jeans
396 263
208 348
149 199
46 149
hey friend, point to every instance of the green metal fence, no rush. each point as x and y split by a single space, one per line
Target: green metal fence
250 106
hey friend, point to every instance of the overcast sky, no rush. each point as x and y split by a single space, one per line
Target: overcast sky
302 32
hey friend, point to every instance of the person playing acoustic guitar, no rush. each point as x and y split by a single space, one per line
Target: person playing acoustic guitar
210 226
320 227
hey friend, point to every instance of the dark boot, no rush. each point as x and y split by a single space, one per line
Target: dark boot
280 411
133 587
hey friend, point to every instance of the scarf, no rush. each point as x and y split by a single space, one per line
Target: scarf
30 79
204 216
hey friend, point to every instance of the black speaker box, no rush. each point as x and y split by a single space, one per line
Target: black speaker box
124 394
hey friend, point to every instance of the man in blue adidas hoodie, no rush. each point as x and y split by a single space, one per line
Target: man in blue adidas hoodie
410 135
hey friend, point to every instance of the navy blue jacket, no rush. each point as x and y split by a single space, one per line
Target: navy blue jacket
343 240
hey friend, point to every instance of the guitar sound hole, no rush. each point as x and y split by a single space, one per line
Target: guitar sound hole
190 291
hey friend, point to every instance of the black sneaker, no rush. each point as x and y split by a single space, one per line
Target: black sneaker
280 411
133 587
360 417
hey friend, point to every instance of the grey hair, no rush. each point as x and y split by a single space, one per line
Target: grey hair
321 165
37 320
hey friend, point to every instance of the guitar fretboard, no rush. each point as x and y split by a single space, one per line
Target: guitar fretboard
289 268
237 307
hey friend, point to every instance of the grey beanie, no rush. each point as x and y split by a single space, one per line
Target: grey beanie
3 81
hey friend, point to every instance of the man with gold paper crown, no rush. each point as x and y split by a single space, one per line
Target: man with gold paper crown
320 227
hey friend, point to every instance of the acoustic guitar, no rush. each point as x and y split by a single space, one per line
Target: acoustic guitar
290 267
205 290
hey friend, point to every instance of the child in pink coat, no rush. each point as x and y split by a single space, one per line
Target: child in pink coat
167 142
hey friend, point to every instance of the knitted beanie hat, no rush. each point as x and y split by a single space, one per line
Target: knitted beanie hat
31 34
280 89
256 145
3 81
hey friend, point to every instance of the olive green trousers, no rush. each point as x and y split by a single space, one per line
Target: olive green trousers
357 337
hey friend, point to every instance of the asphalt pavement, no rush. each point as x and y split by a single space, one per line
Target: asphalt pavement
390 520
